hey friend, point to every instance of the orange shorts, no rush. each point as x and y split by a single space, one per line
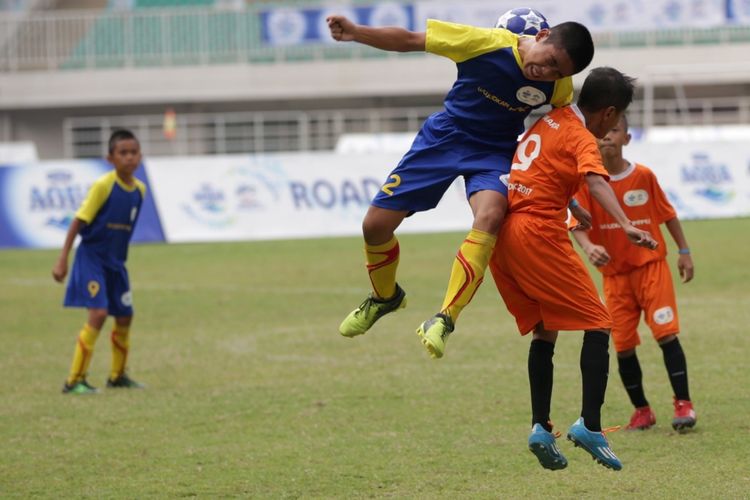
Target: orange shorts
646 289
541 277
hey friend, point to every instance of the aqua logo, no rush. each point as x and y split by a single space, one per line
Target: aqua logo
209 198
703 170
59 193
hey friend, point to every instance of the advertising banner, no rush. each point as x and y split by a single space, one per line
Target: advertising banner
39 201
294 26
300 195
702 180
220 198
739 11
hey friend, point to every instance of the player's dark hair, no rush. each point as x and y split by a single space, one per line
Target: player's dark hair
575 39
605 87
120 135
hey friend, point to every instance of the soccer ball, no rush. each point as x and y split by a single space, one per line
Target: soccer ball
522 21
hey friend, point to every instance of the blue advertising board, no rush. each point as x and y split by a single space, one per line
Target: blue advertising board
290 26
38 201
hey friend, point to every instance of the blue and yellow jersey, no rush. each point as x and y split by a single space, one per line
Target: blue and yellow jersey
110 212
490 98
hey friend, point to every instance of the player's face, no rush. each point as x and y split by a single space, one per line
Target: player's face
544 62
126 156
612 143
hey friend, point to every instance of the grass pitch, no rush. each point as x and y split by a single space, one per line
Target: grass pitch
252 393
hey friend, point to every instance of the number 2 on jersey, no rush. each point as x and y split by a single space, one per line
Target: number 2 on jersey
526 157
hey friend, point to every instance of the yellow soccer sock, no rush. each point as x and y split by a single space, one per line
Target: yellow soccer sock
467 272
120 347
82 356
382 262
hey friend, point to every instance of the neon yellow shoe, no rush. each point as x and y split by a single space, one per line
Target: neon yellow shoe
362 318
434 334
79 387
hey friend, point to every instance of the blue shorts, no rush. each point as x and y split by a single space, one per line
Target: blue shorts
440 153
95 286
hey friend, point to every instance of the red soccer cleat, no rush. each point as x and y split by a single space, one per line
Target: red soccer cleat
684 415
642 419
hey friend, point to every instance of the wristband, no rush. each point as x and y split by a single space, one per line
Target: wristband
684 251
573 203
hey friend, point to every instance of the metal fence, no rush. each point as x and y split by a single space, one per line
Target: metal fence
224 133
84 40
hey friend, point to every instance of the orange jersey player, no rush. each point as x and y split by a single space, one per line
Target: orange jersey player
541 278
638 281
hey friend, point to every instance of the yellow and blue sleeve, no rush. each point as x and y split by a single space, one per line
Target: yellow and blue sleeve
459 42
141 187
563 93
95 198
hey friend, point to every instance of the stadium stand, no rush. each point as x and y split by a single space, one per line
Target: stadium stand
73 70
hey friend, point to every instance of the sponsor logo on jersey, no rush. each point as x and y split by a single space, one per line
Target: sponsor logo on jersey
635 197
635 222
531 96
492 97
552 123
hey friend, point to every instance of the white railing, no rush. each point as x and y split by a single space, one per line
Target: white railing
256 132
84 40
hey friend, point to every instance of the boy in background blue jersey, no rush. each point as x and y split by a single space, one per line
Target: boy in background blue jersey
99 280
501 78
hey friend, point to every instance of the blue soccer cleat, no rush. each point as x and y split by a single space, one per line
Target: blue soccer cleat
542 444
595 443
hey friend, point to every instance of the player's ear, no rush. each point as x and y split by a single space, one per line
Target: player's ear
609 113
542 35
627 139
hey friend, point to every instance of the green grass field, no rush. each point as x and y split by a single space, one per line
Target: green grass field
253 393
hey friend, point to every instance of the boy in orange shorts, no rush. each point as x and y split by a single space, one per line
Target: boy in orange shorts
638 281
541 278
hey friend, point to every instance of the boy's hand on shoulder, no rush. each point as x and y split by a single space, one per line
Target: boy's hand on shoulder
60 270
342 29
685 266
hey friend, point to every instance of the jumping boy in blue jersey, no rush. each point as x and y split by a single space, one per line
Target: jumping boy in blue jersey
99 280
502 77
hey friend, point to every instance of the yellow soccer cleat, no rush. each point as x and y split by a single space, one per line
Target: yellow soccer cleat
372 309
434 334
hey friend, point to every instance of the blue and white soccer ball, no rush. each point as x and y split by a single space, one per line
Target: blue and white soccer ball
522 21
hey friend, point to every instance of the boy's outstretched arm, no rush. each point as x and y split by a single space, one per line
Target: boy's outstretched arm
60 269
684 261
385 38
602 193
